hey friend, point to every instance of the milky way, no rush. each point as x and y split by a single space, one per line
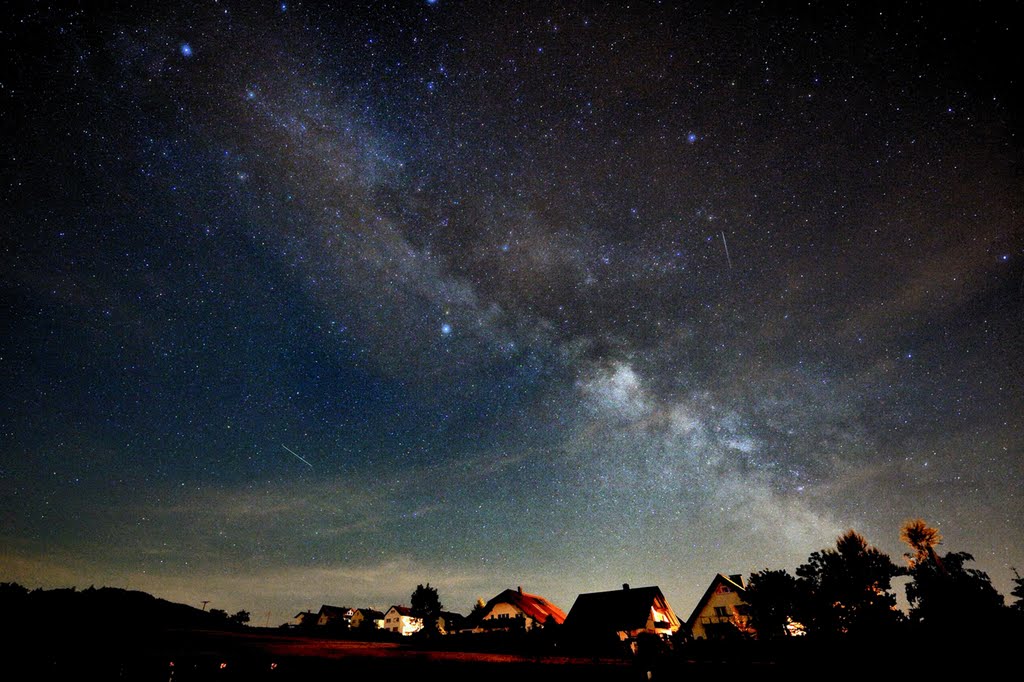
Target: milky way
312 305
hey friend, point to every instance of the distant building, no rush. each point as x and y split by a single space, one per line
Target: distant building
304 619
514 609
334 617
722 613
400 619
366 618
449 623
622 614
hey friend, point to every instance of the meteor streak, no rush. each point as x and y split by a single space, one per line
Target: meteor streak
297 455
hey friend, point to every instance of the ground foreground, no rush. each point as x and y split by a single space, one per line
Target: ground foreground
183 655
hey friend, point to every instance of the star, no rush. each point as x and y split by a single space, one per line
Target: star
678 286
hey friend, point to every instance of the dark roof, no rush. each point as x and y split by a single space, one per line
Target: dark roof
452 620
614 611
334 611
372 614
734 581
536 607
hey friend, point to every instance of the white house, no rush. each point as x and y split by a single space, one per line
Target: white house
367 618
722 613
514 609
400 619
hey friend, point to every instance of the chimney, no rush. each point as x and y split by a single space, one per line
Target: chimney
625 586
520 589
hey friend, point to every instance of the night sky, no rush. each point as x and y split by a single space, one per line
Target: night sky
308 305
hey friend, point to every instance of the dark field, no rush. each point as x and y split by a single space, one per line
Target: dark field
216 655
254 654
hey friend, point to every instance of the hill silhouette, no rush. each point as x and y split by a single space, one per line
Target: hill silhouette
102 633
96 609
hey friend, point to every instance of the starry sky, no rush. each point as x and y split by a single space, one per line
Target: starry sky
310 305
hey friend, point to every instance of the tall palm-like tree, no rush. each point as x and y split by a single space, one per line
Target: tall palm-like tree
922 540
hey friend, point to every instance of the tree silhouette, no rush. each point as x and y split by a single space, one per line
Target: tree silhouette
773 597
478 611
425 604
922 540
942 594
846 590
240 618
1018 590
13 591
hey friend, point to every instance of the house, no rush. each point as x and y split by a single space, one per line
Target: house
449 623
515 609
400 619
366 618
304 620
334 617
722 613
624 615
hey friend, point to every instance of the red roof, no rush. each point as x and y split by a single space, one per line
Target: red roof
402 610
533 606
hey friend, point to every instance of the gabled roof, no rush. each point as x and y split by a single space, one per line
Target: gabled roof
534 606
372 614
733 581
333 611
451 615
402 610
617 610
452 620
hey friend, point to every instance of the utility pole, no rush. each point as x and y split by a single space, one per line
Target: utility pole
205 602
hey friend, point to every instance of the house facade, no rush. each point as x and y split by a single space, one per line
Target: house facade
399 619
515 609
449 623
722 613
366 618
304 619
334 617
624 614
